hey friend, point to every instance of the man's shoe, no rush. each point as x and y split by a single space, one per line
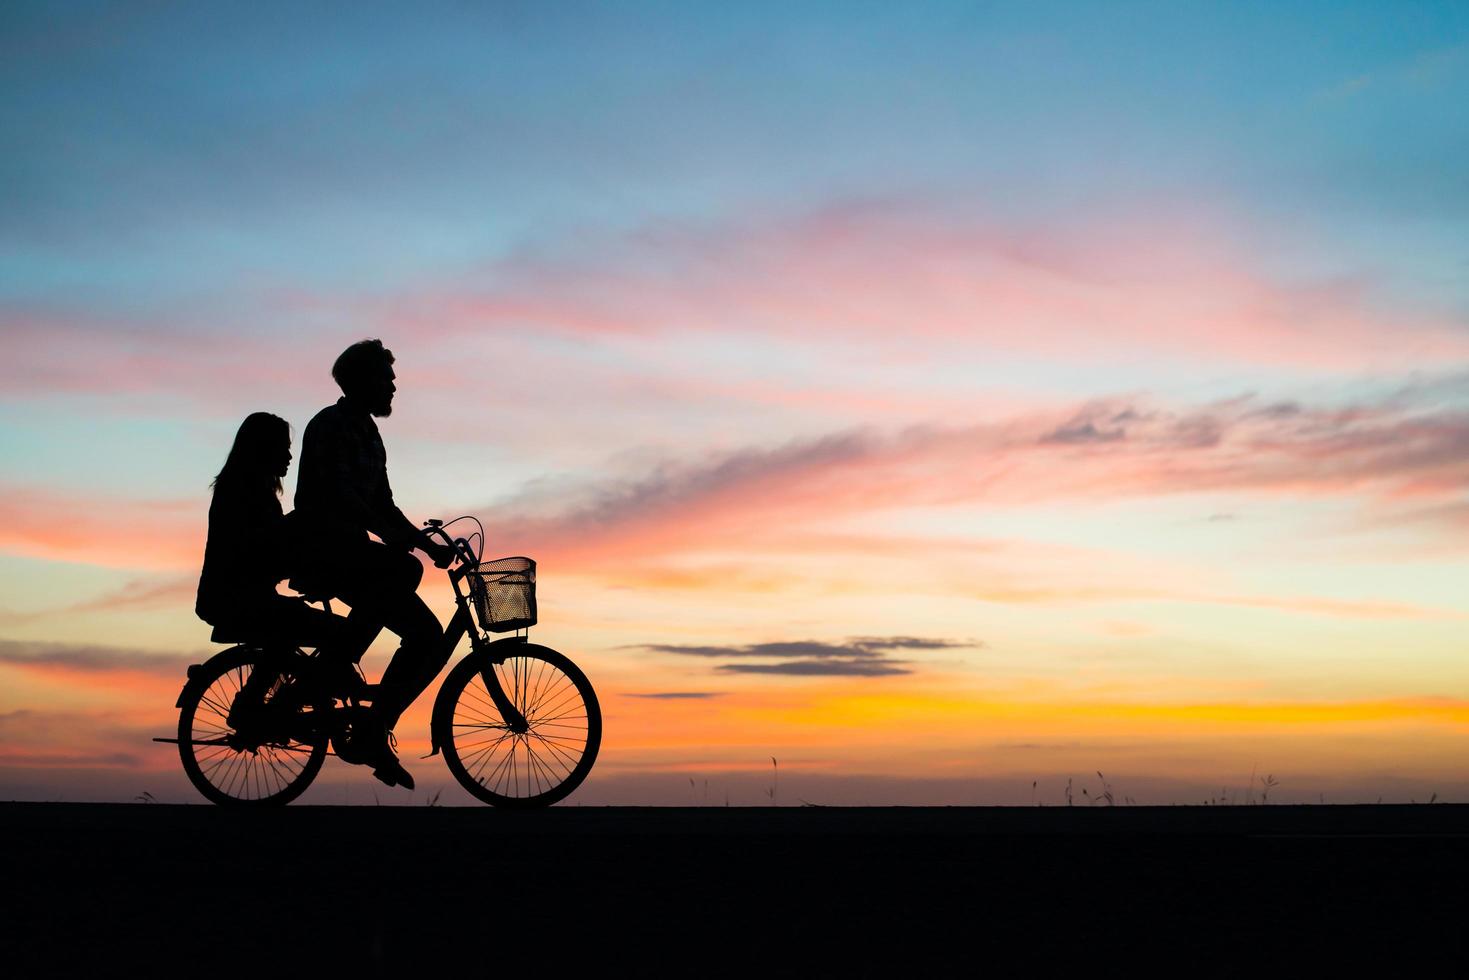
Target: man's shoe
248 705
393 773
242 713
388 768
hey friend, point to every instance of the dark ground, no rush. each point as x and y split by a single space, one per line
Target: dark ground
710 891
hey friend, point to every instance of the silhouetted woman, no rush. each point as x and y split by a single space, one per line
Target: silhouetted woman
249 550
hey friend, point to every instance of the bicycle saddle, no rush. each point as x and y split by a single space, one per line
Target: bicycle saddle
244 634
230 634
248 633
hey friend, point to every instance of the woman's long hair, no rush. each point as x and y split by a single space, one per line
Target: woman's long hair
256 451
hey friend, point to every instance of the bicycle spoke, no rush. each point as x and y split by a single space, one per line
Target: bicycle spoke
231 773
545 762
571 748
485 750
537 767
488 752
486 702
533 689
509 771
488 743
556 690
564 721
558 754
219 709
569 701
498 767
274 767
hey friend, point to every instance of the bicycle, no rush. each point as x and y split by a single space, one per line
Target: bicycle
518 723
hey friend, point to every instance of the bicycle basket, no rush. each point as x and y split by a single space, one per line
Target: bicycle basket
504 594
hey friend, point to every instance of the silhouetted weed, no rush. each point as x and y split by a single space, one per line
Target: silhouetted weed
1106 789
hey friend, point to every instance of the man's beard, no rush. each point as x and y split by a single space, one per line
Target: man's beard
382 410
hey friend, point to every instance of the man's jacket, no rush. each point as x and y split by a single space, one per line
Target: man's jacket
342 489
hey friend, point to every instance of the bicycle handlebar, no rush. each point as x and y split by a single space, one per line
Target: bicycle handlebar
462 551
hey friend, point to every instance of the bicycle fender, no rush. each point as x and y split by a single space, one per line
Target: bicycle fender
194 671
444 708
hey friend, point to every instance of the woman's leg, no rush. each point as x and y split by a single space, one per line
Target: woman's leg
298 624
282 624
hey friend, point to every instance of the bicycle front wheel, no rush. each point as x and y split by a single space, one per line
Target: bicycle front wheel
522 770
227 765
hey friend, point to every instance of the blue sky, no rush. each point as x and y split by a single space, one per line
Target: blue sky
159 156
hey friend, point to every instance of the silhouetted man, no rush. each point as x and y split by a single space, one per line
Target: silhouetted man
342 493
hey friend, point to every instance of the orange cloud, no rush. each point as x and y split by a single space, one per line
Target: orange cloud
920 713
93 530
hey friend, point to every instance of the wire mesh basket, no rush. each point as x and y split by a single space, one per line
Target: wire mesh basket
503 592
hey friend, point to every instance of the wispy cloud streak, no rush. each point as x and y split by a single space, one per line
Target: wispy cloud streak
674 695
866 656
1385 451
84 658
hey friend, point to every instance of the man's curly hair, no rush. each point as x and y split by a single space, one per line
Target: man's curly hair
358 360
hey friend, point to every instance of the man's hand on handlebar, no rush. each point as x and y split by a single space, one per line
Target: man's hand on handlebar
441 554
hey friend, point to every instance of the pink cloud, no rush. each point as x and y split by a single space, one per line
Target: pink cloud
924 283
1158 285
182 356
1105 450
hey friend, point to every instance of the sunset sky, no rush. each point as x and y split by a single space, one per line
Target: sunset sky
948 400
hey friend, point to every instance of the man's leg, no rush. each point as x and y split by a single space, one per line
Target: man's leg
419 657
377 573
380 584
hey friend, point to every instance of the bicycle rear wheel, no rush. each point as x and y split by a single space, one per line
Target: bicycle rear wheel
231 767
520 770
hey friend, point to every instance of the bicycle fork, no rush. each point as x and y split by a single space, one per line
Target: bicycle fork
490 653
